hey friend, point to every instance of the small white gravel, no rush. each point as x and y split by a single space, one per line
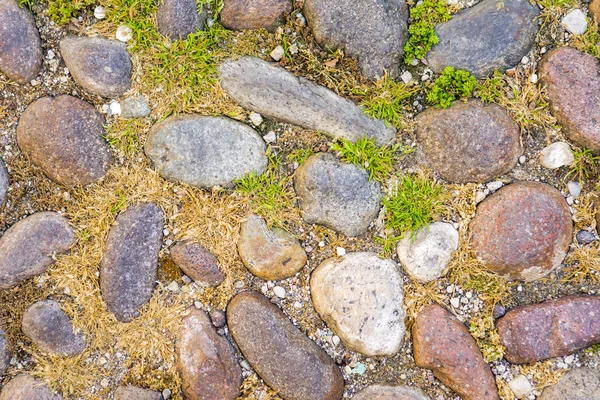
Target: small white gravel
575 22
279 292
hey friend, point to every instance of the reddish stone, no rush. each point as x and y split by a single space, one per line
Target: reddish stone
254 14
198 263
443 344
550 329
573 86
523 231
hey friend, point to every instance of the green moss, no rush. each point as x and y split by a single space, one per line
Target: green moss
421 30
451 85
491 89
61 11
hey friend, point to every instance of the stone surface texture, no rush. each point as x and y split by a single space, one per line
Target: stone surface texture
26 387
577 384
4 182
198 263
63 136
337 195
177 19
5 353
552 328
556 155
276 93
135 106
254 14
286 359
136 393
390 392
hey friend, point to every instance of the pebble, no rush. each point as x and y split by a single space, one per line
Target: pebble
135 106
256 119
521 387
254 14
99 12
585 237
574 188
556 155
279 292
340 251
277 53
533 78
499 311
198 263
124 33
4 182
390 392
575 22
577 384
26 387
176 19
270 137
406 77
217 318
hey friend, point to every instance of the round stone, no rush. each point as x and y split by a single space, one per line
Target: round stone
254 14
522 231
469 142
390 392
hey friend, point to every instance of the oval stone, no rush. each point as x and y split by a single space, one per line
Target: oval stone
128 270
26 387
198 263
285 358
522 231
485 37
469 142
360 297
20 45
63 136
177 19
254 14
205 151
390 392
27 247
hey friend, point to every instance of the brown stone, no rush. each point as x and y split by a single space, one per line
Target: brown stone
254 14
390 392
286 359
577 384
573 85
443 344
523 231
26 387
136 393
552 328
595 10
469 142
270 254
198 263
177 19
63 136
206 361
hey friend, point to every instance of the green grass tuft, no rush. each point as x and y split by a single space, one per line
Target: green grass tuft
584 165
421 31
451 85
300 155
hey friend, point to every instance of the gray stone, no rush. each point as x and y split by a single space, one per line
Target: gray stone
360 297
100 66
179 18
20 45
577 384
63 136
26 387
205 151
426 255
556 155
5 353
336 195
286 359
50 329
486 37
585 237
136 393
135 106
4 182
276 93
390 392
129 265
372 31
27 247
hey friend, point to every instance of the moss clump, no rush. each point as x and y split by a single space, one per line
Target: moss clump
451 85
421 31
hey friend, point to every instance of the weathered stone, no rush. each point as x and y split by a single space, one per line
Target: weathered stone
550 329
573 86
337 195
521 386
135 106
63 136
254 14
522 231
594 9
100 66
276 93
577 384
575 22
205 151
426 255
585 237
390 392
287 360
20 45
270 254
198 263
372 31
26 387
136 393
360 297
443 344
556 155
129 264
178 18
27 247
206 361
469 142
5 353
4 182
50 329
486 37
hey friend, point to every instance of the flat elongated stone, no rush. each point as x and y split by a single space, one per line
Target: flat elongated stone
270 254
276 93
577 384
469 142
26 248
63 136
522 231
337 195
136 393
372 31
100 66
443 344
26 387
486 37
178 18
197 263
20 45
390 392
129 264
281 355
5 353
47 325
360 297
552 328
205 151
573 84
206 361
254 14
4 182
